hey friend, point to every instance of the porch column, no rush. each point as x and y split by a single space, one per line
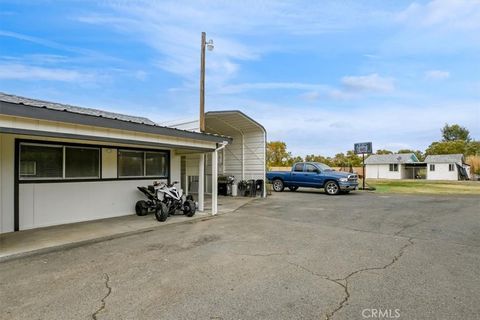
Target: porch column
201 182
214 181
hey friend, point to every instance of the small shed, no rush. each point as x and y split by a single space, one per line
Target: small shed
391 166
447 167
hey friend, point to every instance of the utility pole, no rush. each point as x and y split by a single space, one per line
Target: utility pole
209 45
202 84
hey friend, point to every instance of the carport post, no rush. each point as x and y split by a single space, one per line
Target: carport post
214 181
201 182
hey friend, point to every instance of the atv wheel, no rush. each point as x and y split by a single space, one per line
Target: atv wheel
189 208
141 208
293 189
161 213
278 185
332 188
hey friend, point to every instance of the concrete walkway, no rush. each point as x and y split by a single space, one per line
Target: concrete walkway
17 244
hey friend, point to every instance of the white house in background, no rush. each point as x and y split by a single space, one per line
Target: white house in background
447 167
63 164
391 166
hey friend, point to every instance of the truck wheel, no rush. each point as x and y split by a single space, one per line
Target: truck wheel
278 185
332 188
161 212
141 208
293 189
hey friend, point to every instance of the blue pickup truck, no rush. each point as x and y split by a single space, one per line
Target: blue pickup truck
313 175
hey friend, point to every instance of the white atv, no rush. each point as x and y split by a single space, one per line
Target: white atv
164 200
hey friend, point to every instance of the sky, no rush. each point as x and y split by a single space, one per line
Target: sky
319 75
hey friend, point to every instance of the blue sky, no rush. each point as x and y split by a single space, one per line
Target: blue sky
320 75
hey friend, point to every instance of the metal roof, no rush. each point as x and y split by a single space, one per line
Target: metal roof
31 108
391 158
445 158
73 109
231 122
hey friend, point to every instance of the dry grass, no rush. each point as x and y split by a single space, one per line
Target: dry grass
474 162
425 187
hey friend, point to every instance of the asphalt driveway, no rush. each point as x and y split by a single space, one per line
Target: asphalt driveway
301 255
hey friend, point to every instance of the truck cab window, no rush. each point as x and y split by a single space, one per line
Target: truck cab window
298 167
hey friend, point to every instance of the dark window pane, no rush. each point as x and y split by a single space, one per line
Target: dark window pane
82 162
298 167
130 163
156 163
41 161
310 168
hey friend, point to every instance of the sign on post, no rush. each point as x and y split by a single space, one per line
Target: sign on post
362 148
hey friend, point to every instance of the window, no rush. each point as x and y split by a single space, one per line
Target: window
298 167
133 163
432 167
44 161
130 163
451 167
156 164
41 161
81 162
310 168
393 167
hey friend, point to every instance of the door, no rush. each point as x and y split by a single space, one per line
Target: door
312 177
297 178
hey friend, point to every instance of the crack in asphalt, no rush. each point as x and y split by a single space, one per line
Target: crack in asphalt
109 291
343 282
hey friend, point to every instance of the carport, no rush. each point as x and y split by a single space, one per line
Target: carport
243 157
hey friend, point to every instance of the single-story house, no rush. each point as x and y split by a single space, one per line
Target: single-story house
63 164
391 166
447 167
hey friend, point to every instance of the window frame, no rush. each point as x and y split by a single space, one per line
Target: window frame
99 176
431 167
393 167
37 144
144 152
452 166
24 180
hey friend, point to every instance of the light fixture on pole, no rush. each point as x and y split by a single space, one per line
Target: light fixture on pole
209 45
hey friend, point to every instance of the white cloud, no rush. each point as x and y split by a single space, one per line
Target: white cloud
437 75
445 14
26 72
372 82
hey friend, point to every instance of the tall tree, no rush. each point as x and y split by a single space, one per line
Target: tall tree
446 147
277 154
383 151
455 132
418 153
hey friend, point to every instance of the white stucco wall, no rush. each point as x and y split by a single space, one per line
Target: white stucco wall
441 172
381 171
47 204
7 149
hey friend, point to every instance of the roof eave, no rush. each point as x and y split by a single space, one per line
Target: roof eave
26 111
